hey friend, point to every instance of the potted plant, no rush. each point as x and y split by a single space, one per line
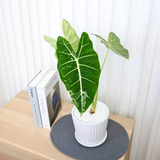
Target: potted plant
79 70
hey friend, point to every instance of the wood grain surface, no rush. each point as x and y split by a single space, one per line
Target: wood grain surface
20 139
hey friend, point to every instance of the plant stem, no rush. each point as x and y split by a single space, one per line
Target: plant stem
94 103
105 58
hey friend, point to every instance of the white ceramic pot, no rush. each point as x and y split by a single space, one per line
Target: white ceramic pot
91 134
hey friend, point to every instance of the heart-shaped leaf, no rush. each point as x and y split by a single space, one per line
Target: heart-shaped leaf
70 35
114 44
79 71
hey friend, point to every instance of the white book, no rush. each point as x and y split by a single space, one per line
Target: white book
31 87
49 97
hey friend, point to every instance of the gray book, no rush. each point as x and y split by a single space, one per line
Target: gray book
31 87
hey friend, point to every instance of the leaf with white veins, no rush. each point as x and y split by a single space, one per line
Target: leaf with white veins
79 71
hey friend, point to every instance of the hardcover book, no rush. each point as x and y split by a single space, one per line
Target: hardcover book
49 98
31 87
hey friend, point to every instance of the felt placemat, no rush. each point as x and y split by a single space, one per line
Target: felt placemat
63 138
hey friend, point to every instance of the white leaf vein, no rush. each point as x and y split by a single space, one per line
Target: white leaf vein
88 66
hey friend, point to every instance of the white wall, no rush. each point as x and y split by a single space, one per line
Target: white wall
129 88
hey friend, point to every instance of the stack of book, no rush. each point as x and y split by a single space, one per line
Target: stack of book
44 95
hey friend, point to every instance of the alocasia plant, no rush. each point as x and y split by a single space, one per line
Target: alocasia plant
78 64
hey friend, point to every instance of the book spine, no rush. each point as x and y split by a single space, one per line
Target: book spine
43 107
35 106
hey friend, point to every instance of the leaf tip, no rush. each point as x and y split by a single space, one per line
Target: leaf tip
63 21
44 36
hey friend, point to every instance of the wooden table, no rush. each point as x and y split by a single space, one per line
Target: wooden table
20 139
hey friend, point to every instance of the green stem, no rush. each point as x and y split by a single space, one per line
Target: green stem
94 103
105 58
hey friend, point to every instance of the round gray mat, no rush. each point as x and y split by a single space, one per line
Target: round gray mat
116 144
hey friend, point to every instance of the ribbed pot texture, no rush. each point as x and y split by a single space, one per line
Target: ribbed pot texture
91 134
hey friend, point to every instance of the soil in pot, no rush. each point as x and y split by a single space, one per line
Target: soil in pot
98 116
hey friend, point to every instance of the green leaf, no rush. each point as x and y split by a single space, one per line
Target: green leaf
70 35
52 42
79 71
114 44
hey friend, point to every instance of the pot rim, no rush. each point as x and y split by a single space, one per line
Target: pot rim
89 123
